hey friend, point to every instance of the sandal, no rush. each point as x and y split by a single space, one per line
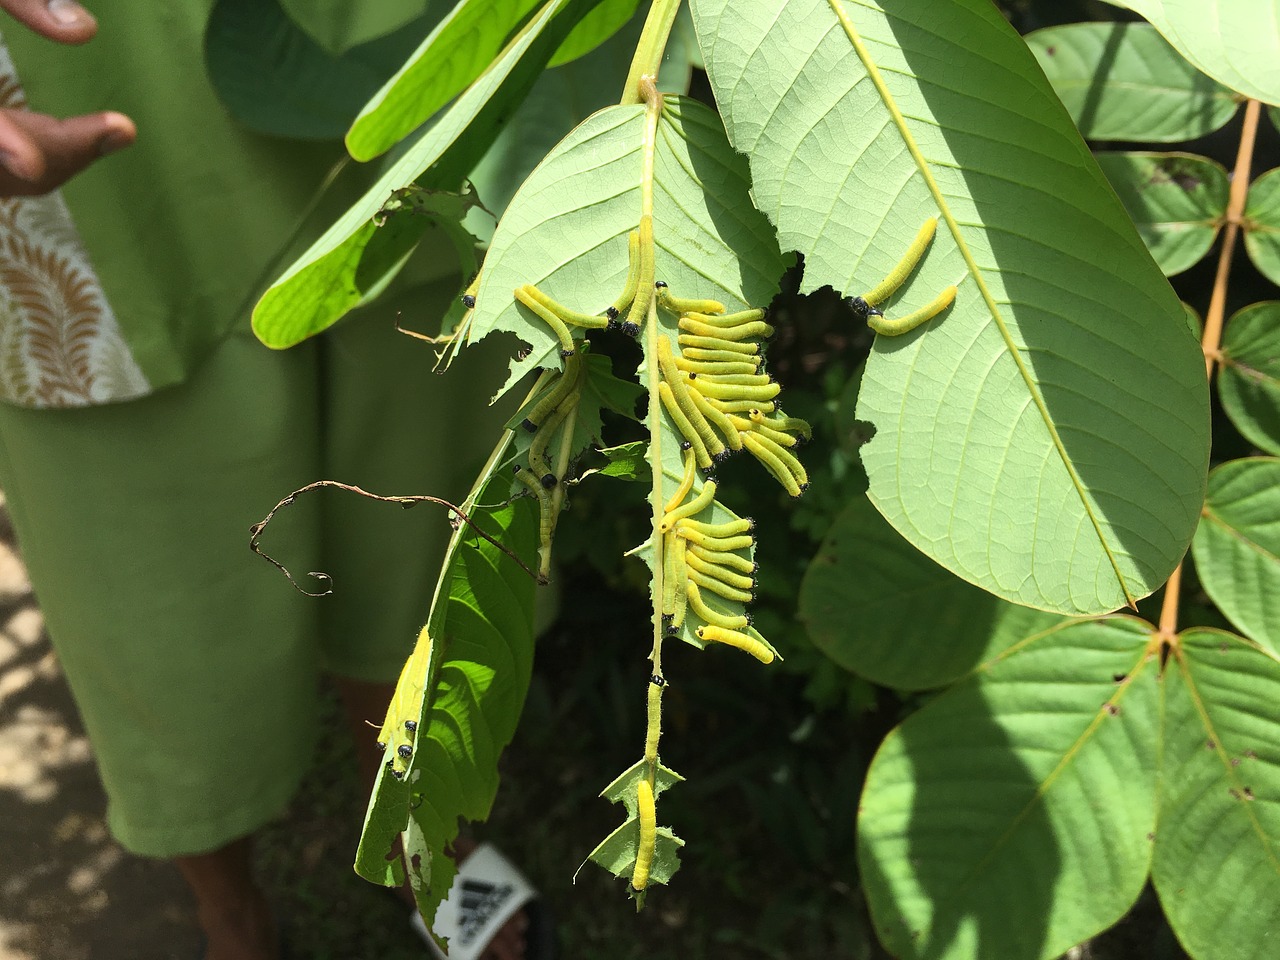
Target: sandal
487 891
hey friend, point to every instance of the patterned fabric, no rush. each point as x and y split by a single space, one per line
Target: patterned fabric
60 343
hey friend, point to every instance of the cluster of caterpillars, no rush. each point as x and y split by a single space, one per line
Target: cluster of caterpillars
716 394
701 558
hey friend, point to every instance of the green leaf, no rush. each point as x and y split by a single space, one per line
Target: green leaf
878 607
595 28
1237 548
566 228
481 623
1217 856
626 462
617 852
1236 43
354 260
275 79
1249 375
1011 817
1262 224
452 56
1059 410
1122 81
1177 201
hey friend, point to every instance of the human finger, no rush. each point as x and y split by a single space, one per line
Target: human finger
39 153
64 21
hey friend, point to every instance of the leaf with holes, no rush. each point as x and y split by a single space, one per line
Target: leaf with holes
1011 816
1047 437
1123 81
1237 548
1249 374
1177 201
1217 856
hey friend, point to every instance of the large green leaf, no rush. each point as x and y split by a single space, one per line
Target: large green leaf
355 259
1122 81
1012 816
1262 224
877 606
1237 548
1217 855
1046 438
1249 375
1236 43
481 627
1177 201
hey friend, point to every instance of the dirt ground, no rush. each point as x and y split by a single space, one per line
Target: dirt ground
67 891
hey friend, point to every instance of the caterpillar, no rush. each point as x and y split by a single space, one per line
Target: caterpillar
719 344
680 397
719 587
692 508
730 392
791 424
702 355
713 544
524 296
704 367
722 557
647 813
762 428
741 406
720 420
633 280
686 483
887 287
734 638
566 315
654 729
752 379
469 297
674 573
786 469
546 522
724 319
726 576
905 324
639 311
681 305
538 448
713 617
734 334
731 528
701 455
555 396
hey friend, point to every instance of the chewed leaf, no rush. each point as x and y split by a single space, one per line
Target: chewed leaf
566 230
617 852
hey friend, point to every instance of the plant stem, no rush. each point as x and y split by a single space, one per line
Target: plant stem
651 48
1211 339
1213 318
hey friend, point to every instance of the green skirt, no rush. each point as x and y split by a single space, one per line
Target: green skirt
194 662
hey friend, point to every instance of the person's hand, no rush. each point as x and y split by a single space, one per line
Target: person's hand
39 153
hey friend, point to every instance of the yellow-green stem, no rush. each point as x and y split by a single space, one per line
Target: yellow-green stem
651 48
